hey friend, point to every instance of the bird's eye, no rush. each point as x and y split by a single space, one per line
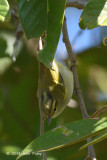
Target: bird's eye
54 109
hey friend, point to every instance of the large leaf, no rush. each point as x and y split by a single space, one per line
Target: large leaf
4 11
33 15
94 14
38 16
97 139
55 17
65 135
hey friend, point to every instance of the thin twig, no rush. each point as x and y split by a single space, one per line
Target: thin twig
19 31
42 120
19 34
14 12
71 56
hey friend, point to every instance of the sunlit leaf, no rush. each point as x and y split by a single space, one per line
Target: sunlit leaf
94 14
4 11
65 135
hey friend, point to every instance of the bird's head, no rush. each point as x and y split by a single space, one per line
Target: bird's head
48 104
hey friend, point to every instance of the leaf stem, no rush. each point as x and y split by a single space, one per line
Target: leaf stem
95 114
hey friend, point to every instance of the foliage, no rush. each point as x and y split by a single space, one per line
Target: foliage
94 14
65 135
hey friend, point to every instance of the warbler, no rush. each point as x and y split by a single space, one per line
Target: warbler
55 88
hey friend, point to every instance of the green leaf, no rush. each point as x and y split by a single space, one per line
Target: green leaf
4 11
97 139
38 16
65 135
55 17
94 14
33 15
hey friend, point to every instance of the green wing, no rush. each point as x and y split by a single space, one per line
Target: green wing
52 81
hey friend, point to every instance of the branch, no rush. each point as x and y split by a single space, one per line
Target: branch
75 5
71 56
74 69
79 4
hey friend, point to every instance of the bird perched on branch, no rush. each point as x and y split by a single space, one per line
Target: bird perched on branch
55 88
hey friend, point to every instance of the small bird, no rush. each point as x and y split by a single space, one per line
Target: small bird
55 88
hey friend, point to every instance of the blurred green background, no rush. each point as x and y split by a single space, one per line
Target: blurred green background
19 110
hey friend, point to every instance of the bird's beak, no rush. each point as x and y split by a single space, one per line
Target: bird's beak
49 120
